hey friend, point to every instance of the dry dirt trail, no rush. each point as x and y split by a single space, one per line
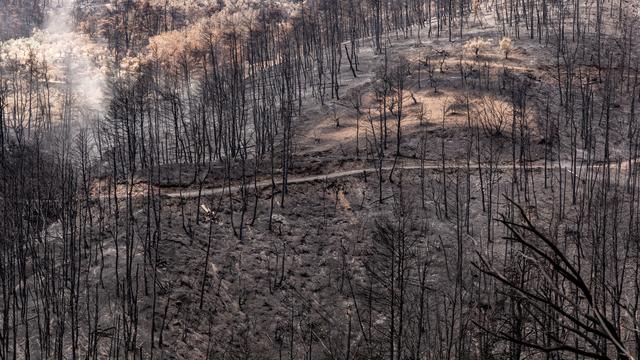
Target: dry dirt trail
430 165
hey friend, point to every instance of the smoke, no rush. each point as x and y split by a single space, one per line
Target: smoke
73 56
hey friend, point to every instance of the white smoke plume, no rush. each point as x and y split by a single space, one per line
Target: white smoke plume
73 55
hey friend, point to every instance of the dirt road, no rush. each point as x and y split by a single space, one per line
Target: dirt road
431 165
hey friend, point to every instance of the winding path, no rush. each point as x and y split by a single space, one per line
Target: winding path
430 165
